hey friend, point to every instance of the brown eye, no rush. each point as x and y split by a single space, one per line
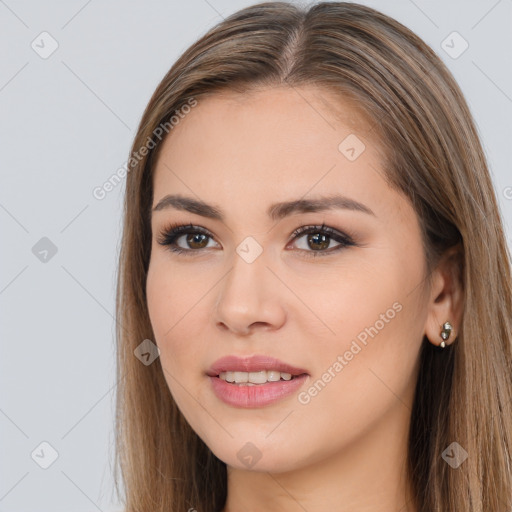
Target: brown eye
197 240
318 241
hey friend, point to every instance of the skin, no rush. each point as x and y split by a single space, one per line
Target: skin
345 449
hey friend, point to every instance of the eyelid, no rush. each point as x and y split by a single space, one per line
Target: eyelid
173 231
332 232
176 230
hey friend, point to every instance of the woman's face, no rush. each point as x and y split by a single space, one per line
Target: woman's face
344 305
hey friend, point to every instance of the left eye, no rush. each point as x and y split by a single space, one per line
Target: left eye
317 239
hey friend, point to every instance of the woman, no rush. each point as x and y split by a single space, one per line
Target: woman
314 294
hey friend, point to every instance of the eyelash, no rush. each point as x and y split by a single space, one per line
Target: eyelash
174 231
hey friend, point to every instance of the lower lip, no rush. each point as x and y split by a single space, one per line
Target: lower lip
257 395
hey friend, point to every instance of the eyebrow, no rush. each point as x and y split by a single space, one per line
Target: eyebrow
276 211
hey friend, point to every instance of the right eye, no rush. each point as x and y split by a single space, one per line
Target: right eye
196 237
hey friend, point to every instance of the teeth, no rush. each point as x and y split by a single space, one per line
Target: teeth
241 377
254 377
273 376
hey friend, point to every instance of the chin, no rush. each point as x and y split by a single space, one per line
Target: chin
257 456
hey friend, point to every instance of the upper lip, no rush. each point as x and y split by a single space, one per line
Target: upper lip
255 363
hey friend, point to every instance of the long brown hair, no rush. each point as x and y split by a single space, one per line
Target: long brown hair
433 155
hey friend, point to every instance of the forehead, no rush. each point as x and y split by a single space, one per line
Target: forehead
280 141
292 111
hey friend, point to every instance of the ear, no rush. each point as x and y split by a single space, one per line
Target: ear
446 299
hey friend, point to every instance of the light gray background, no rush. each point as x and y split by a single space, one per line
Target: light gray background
66 126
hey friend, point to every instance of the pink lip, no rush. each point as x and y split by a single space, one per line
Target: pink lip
258 395
252 364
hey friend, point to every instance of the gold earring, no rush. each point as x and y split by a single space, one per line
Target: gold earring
445 333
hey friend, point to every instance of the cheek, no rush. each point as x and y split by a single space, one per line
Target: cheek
377 319
171 300
369 291
370 333
172 304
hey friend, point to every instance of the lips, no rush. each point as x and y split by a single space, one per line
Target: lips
255 363
246 391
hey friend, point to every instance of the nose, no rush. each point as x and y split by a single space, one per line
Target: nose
250 298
